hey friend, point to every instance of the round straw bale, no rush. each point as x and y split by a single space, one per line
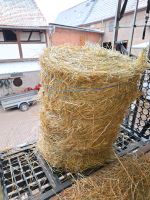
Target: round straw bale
86 91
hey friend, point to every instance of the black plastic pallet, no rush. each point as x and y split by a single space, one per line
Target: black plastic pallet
25 176
127 142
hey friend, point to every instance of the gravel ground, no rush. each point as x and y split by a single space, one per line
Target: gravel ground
18 127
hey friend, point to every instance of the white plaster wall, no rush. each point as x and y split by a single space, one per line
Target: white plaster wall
35 36
1 37
9 51
32 50
17 67
43 39
24 36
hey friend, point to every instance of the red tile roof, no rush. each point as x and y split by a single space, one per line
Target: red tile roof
20 13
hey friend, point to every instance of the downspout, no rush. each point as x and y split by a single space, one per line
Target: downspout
51 31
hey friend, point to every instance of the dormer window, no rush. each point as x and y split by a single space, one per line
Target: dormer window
111 26
9 36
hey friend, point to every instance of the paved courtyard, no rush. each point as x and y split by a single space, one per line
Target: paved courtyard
18 127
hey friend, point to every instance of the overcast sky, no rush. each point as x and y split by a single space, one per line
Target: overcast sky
51 8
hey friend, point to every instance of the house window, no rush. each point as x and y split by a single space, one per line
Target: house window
121 46
111 26
125 43
92 26
107 45
9 36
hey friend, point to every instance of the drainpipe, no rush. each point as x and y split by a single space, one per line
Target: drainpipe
51 31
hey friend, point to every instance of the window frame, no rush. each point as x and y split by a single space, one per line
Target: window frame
105 44
111 26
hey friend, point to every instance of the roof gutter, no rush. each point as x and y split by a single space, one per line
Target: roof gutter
75 28
24 27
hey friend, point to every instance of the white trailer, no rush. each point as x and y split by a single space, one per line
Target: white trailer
21 101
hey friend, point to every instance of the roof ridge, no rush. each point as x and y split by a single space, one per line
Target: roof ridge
28 11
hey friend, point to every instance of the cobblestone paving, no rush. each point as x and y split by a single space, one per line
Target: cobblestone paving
18 127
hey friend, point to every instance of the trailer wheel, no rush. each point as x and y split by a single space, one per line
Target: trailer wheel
24 107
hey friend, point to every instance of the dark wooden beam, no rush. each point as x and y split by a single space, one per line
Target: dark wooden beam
30 36
19 44
47 39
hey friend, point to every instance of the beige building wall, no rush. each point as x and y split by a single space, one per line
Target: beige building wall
124 33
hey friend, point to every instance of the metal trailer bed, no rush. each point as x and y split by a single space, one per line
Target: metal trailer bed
21 101
25 175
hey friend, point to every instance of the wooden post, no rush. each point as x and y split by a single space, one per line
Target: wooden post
115 35
19 44
47 38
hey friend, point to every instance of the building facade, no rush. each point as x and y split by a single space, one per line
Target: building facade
100 15
60 34
23 36
124 33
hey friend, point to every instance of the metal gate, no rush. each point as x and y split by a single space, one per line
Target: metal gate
135 129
